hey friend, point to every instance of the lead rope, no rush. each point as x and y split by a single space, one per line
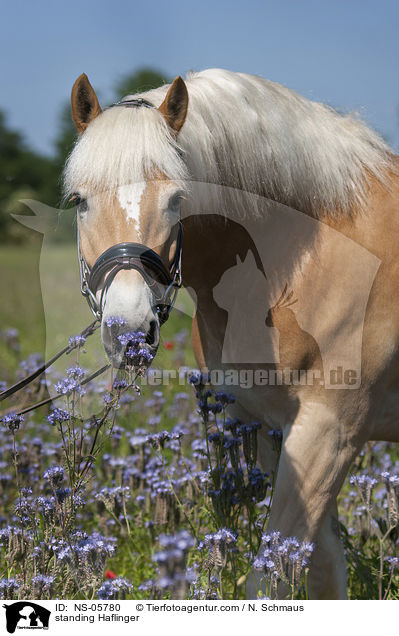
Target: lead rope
88 331
51 399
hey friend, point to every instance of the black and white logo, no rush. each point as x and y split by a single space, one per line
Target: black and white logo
26 615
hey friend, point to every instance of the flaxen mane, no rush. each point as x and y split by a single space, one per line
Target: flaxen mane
241 131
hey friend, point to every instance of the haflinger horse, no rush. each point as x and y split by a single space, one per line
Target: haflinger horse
168 164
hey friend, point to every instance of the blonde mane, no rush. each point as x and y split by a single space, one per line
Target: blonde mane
241 131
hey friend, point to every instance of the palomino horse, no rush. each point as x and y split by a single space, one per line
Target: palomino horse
240 159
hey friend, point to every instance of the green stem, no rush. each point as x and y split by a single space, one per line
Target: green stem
179 503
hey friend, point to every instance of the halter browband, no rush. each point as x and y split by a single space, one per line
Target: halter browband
133 103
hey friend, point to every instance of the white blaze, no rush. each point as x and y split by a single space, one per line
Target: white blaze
129 197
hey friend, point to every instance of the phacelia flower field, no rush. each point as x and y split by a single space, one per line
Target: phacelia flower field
159 494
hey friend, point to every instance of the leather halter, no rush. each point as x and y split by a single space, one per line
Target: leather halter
163 283
133 103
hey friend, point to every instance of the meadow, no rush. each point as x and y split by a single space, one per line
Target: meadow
120 489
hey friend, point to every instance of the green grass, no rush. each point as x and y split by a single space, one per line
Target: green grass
21 300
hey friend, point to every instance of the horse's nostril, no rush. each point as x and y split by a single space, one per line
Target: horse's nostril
150 339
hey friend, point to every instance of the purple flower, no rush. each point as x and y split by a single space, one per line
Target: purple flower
139 356
12 420
72 382
110 495
225 398
277 438
172 563
391 480
11 337
88 550
158 439
218 544
393 562
57 416
115 321
147 585
76 341
131 338
42 584
8 587
283 557
44 506
197 378
222 536
55 476
365 484
263 563
360 480
30 364
76 372
115 589
8 533
232 424
249 434
182 541
120 384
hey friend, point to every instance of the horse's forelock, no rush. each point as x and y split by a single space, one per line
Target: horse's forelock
120 147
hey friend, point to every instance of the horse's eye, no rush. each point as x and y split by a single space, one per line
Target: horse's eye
82 205
175 201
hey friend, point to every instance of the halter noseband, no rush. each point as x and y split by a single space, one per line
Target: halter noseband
132 256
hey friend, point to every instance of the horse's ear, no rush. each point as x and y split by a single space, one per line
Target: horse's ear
174 106
85 105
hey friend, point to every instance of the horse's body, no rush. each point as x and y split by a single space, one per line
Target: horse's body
313 196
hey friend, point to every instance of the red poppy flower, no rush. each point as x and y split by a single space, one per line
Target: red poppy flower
169 344
109 574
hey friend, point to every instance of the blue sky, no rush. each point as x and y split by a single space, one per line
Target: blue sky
344 53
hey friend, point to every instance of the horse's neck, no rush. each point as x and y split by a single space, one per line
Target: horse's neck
212 245
329 265
376 228
228 249
283 239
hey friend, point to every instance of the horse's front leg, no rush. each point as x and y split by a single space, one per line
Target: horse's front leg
315 457
327 577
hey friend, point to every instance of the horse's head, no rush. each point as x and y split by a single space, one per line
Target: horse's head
127 175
